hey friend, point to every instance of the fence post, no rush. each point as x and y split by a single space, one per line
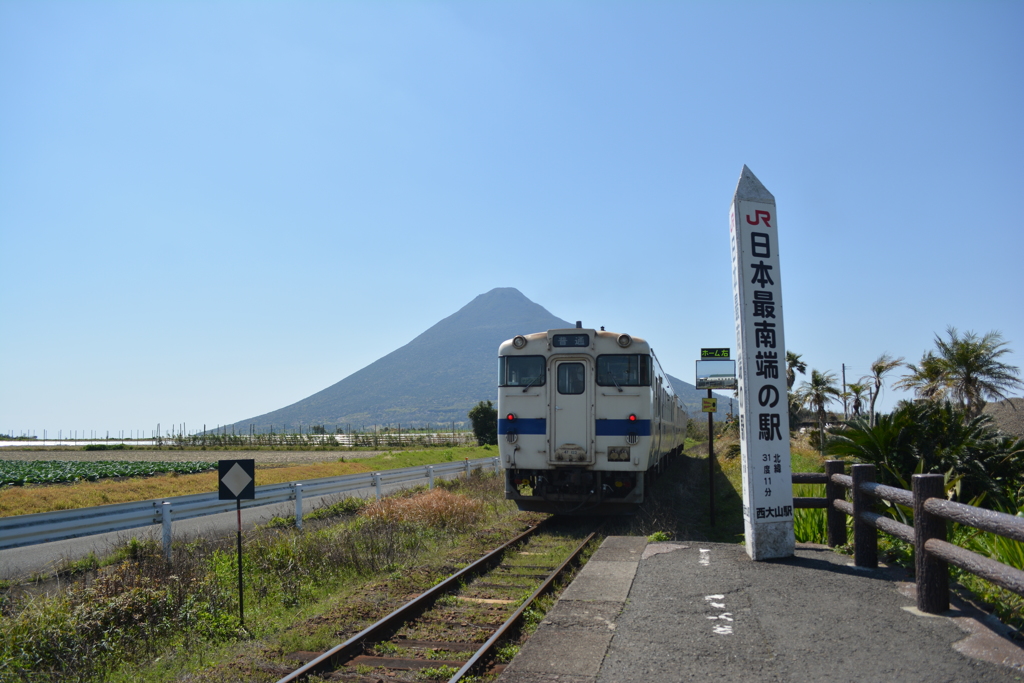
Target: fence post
430 473
836 519
165 510
931 573
865 537
376 483
298 506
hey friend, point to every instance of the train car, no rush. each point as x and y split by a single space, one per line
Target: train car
585 419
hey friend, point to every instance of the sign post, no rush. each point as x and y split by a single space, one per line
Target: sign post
237 480
714 370
761 350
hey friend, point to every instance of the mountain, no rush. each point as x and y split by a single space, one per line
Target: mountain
434 379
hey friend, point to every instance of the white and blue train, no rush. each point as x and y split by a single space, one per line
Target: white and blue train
585 419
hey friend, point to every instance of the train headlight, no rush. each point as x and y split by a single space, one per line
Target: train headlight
519 341
624 340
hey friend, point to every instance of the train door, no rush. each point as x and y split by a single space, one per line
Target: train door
572 406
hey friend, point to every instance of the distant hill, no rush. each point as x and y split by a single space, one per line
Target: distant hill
437 377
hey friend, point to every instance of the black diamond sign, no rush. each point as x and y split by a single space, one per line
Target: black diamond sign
237 479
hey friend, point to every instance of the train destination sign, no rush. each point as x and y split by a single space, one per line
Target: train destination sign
716 374
714 353
570 340
761 351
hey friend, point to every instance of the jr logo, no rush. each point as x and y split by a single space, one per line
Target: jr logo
758 215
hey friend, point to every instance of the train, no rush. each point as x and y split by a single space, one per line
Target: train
586 420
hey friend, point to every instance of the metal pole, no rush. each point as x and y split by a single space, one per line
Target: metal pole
165 510
298 506
241 609
711 465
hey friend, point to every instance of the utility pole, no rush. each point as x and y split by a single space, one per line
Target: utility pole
846 415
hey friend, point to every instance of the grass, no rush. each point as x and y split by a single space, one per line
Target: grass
144 619
23 500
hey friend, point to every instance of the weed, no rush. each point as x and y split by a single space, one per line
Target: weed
506 653
69 568
659 536
810 524
437 673
447 600
437 508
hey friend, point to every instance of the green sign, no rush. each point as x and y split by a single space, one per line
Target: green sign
714 353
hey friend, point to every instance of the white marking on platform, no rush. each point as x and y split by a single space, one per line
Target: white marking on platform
705 556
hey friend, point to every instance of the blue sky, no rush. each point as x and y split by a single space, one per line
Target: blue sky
210 210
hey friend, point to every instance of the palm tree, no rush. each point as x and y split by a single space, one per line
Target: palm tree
972 369
857 391
816 395
927 380
882 365
793 366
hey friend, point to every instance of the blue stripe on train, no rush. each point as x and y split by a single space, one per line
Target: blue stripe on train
521 425
538 425
622 427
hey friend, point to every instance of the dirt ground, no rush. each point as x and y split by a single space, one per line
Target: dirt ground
280 458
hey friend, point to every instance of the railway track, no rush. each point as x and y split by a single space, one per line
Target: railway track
457 628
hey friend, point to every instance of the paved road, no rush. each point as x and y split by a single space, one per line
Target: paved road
671 612
22 563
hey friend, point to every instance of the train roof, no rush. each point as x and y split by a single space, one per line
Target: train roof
600 340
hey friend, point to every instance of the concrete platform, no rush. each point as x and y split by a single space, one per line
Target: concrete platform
697 611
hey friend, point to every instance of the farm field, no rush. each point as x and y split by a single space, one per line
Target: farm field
262 457
272 467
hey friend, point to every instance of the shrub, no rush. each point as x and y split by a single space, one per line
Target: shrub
437 508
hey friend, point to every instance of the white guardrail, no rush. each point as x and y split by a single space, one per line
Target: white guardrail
23 530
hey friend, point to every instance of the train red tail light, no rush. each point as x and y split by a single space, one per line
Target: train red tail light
510 417
632 418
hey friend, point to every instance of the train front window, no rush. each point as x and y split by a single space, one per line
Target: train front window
521 371
571 378
624 370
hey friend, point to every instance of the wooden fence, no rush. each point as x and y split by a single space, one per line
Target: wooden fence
932 553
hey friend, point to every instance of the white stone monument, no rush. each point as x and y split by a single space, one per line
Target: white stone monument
761 370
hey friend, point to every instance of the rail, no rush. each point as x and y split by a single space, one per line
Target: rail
326 663
24 530
932 552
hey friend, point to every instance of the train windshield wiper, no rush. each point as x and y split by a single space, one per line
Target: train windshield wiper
531 383
616 384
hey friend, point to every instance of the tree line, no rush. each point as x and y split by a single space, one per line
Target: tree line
942 430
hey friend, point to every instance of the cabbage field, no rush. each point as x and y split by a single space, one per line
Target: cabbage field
20 472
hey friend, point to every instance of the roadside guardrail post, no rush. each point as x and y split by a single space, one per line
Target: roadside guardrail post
836 519
865 538
467 468
931 573
376 483
497 465
430 473
298 506
165 513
